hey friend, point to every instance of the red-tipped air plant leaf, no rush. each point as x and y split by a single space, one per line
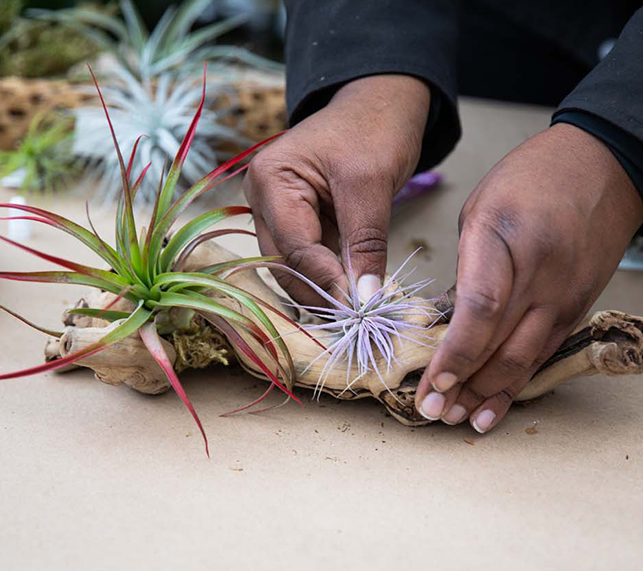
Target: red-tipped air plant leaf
179 264
182 153
175 170
236 339
99 313
153 343
80 268
129 326
132 156
78 232
129 212
194 228
64 278
57 334
250 405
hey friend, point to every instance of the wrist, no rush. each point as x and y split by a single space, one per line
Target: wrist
383 90
388 112
402 98
604 180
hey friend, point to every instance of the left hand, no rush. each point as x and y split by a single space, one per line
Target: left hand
540 238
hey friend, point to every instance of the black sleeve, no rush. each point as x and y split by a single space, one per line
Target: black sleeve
331 42
610 98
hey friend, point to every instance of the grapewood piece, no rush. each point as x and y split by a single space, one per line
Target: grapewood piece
608 343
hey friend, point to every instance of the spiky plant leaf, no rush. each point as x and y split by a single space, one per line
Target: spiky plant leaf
143 272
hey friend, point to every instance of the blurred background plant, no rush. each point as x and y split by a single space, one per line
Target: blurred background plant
171 46
150 57
154 87
38 48
162 112
43 161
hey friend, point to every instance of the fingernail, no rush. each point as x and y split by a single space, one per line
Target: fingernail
444 381
367 286
454 415
432 406
483 421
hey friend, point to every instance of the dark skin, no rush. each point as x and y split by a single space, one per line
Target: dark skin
540 236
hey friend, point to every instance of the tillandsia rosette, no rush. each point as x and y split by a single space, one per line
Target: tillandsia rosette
171 46
163 112
152 89
359 333
147 269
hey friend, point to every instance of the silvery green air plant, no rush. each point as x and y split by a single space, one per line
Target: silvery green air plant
361 333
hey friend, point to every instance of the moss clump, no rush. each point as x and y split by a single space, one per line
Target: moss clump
199 347
47 50
35 48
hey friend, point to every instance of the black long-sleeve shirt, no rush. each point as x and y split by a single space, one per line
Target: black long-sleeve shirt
331 42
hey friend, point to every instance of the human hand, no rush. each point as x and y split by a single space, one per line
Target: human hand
540 237
328 184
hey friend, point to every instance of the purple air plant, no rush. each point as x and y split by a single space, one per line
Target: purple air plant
362 332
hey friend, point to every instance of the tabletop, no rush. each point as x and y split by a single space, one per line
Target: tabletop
100 477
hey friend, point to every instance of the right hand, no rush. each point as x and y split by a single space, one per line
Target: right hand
328 184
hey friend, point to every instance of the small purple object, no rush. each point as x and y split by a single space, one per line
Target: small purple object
417 186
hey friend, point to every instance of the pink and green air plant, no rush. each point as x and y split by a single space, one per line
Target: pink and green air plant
147 270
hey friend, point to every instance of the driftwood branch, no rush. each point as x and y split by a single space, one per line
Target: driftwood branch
609 343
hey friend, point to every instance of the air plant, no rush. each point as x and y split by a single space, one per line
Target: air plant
43 160
361 332
147 270
162 112
171 46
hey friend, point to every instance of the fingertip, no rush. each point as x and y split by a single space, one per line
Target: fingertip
455 415
423 389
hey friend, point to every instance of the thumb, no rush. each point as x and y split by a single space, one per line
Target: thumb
363 224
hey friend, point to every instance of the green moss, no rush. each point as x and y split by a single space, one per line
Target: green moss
36 48
46 50
199 347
